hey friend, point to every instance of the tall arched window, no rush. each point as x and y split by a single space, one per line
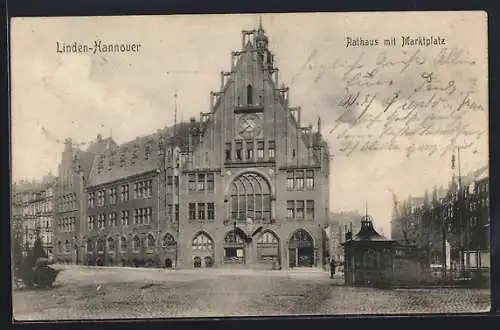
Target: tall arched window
250 198
151 242
203 243
111 244
66 246
136 243
101 245
123 244
249 94
88 246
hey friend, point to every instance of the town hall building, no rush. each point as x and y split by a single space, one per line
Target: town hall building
246 185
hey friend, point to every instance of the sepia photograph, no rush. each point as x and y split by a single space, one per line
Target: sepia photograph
248 165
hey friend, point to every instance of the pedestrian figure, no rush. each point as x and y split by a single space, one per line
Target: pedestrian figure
332 268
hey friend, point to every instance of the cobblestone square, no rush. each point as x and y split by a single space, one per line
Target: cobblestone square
111 293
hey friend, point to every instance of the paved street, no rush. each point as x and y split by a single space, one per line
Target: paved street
97 293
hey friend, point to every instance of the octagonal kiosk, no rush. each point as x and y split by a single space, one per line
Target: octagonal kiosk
368 256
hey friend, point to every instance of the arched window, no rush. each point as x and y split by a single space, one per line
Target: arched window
111 244
301 239
123 244
202 242
136 243
101 245
88 246
59 247
169 241
67 246
151 242
249 94
233 238
250 198
267 238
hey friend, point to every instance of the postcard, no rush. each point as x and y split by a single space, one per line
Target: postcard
250 165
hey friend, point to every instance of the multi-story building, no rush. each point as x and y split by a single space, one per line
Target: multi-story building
32 212
69 195
451 226
246 185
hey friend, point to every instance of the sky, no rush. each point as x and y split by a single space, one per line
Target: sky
129 95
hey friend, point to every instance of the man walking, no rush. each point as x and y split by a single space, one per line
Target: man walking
332 267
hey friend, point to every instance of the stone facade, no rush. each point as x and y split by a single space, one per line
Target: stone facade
246 185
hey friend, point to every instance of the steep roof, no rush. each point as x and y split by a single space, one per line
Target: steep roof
141 155
367 232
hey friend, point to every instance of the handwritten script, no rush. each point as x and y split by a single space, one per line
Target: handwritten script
413 101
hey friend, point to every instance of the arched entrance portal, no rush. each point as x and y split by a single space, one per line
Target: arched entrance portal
234 248
301 249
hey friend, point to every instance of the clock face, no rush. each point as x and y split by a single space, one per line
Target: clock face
249 125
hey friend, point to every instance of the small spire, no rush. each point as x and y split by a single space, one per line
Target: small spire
260 22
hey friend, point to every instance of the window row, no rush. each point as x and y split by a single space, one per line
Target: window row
201 182
143 189
247 150
295 179
201 211
142 216
66 202
66 224
38 207
148 242
299 209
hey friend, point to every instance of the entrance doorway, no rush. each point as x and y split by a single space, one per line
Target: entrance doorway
301 249
234 248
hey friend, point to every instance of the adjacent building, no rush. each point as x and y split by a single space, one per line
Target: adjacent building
70 198
32 212
452 226
246 185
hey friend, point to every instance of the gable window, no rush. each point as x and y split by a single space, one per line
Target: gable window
271 149
249 94
260 149
228 151
239 150
250 198
249 150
